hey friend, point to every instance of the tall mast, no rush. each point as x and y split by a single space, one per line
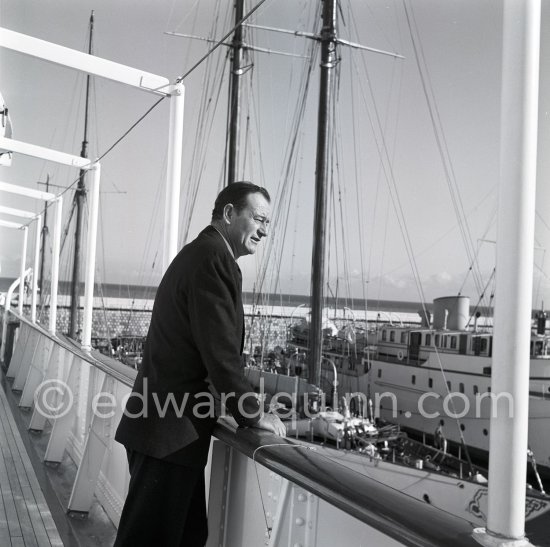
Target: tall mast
44 235
328 61
79 197
235 95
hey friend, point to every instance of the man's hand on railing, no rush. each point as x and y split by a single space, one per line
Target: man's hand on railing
271 422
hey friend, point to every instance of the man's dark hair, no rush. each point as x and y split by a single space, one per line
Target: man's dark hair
236 194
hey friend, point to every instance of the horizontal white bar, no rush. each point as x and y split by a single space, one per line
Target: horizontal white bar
8 224
16 212
23 191
44 153
83 61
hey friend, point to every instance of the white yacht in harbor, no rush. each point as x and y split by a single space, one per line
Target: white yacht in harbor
421 377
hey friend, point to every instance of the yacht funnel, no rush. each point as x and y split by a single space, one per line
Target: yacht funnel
451 312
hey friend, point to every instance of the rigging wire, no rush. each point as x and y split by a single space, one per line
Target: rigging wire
291 193
399 74
386 165
441 141
274 247
220 42
492 219
481 296
396 202
342 189
356 176
284 192
100 280
178 80
541 218
380 140
424 250
131 128
188 12
286 445
213 83
153 224
540 268
333 190
376 125
381 275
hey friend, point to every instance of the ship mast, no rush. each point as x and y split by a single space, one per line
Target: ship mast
235 95
328 62
44 235
79 197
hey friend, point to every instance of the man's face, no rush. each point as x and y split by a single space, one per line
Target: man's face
248 226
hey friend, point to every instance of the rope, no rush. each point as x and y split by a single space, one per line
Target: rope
268 529
481 296
178 80
220 42
448 168
275 245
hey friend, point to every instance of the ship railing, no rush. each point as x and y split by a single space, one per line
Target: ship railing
262 489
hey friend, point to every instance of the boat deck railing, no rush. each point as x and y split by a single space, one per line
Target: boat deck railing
263 490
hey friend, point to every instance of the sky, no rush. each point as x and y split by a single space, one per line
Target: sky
396 218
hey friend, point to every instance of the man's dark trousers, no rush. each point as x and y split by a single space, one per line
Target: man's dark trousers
173 494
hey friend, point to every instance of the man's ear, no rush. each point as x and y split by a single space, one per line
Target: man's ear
228 212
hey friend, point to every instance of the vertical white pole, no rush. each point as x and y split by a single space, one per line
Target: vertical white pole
91 258
514 266
35 267
56 250
7 306
173 175
22 270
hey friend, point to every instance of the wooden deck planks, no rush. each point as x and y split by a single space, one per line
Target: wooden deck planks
4 529
41 504
25 519
12 520
20 503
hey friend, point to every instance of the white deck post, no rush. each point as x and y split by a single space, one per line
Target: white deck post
35 267
22 269
56 250
28 215
173 175
43 196
91 258
514 266
7 304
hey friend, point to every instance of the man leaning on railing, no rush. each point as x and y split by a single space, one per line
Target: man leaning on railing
192 359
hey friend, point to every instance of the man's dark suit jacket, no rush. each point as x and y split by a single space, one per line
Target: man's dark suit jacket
195 339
